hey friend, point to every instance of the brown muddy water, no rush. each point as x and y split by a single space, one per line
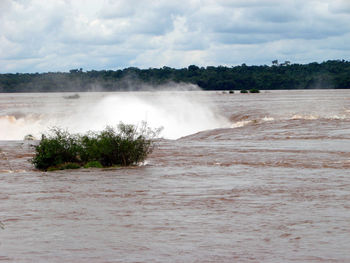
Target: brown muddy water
237 178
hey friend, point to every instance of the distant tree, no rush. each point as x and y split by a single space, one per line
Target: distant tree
330 74
193 68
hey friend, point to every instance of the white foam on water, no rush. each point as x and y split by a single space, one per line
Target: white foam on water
239 124
179 114
268 118
304 117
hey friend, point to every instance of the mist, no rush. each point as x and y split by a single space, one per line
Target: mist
178 113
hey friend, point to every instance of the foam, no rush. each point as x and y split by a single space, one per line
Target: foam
179 113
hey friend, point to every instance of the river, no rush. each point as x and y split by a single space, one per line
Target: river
234 178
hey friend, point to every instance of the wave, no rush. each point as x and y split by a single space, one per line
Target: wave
252 120
178 114
316 117
176 124
16 126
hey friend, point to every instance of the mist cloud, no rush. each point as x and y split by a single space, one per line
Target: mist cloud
37 36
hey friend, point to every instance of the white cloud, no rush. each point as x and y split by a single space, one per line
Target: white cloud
58 35
340 6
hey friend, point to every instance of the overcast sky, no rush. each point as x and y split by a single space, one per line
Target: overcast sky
59 35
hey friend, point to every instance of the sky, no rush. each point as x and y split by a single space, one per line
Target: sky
59 35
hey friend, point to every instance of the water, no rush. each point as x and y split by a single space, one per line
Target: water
266 180
179 113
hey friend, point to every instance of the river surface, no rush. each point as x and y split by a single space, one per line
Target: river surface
235 178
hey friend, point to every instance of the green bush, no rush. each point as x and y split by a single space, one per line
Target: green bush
126 145
64 166
69 166
93 164
244 91
254 91
57 149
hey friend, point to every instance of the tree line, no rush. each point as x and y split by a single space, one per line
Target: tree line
329 74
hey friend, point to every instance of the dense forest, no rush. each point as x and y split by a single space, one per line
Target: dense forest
329 74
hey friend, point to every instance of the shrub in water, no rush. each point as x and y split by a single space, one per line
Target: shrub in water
64 166
126 145
254 91
56 149
29 137
69 166
93 164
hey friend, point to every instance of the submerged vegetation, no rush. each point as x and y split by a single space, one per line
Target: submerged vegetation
329 74
75 96
29 137
254 91
122 146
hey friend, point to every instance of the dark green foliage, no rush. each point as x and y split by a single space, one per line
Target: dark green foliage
57 149
64 166
254 91
244 91
93 164
329 74
124 146
70 166
231 92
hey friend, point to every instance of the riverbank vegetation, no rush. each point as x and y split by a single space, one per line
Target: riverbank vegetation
122 146
329 74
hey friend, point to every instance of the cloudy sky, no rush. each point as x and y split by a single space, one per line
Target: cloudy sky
59 35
